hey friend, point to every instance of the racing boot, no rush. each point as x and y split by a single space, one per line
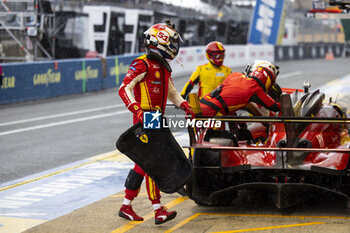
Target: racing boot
162 215
127 212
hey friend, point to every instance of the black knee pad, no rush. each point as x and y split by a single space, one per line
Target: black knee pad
133 180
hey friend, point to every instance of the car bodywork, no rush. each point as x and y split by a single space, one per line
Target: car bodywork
305 151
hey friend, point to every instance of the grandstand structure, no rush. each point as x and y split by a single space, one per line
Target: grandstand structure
32 30
46 29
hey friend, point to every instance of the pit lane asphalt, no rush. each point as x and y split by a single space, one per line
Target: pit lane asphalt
40 148
249 213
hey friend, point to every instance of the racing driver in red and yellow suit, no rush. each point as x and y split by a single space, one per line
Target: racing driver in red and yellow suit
149 78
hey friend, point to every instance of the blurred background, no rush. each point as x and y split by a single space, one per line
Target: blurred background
62 61
52 48
53 29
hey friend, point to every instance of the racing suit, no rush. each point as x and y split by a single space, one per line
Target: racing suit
151 83
208 77
235 93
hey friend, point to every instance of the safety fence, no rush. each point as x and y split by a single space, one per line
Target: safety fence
47 79
40 80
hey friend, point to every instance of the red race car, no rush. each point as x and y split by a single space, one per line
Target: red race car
293 156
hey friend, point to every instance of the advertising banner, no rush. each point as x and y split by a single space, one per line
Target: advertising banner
47 79
41 80
266 22
116 68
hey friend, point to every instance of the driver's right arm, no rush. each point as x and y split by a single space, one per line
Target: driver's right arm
137 71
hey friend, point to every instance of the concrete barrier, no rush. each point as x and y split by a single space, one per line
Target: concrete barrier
40 80
308 51
236 55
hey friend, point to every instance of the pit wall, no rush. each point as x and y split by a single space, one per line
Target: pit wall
47 79
41 80
310 51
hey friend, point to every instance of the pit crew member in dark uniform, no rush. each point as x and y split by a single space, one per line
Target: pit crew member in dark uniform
149 78
240 89
210 75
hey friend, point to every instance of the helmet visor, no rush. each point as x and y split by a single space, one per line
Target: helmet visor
217 55
175 44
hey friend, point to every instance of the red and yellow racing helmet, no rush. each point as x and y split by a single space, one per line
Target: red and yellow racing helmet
215 52
266 72
164 38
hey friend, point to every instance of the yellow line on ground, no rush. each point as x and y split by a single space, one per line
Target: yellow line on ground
175 202
94 159
278 216
180 224
123 195
132 224
187 220
106 155
272 227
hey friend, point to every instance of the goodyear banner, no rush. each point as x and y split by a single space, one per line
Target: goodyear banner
40 80
47 79
267 22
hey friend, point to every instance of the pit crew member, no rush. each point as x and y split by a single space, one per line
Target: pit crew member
240 89
210 75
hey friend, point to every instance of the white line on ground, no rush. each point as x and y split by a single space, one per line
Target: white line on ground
62 114
64 122
288 75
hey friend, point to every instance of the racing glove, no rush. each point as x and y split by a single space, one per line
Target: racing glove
275 92
248 70
187 108
137 110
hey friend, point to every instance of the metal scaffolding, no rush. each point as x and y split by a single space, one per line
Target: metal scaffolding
21 26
